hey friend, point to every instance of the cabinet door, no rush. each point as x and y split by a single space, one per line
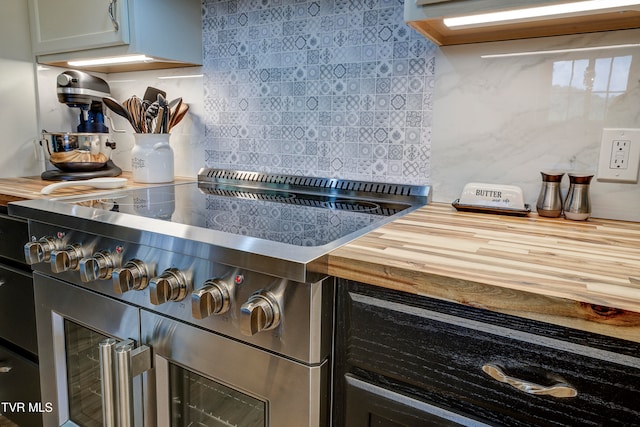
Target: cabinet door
441 8
371 406
20 389
17 308
13 234
69 25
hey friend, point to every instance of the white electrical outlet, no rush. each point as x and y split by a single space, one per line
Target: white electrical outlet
619 155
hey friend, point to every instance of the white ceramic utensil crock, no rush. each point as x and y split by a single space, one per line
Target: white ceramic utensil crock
152 158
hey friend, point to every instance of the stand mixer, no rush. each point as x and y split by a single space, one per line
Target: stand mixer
86 153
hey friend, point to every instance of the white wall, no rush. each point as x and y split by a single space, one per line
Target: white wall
503 120
18 123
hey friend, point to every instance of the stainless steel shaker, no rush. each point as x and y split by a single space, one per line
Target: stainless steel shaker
550 200
577 205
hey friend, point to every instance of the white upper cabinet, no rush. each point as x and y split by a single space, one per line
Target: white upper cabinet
68 25
427 16
168 30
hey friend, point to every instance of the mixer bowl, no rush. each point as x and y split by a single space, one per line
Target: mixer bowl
77 152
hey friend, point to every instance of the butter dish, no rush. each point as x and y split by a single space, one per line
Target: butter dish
492 198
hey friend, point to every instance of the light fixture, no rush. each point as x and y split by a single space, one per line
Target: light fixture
559 51
126 59
186 76
535 13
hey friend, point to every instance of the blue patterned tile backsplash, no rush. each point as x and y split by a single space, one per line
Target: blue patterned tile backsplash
338 88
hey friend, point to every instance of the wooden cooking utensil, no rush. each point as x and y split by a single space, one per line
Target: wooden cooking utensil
134 106
181 111
158 127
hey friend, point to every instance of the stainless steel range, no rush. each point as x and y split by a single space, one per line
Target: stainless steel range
205 303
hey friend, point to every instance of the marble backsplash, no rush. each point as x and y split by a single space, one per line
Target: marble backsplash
505 111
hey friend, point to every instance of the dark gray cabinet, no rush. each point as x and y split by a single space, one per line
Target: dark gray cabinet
14 234
17 313
19 376
406 360
20 389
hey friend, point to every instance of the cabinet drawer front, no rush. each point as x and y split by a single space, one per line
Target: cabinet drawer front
440 358
373 406
20 387
14 233
17 310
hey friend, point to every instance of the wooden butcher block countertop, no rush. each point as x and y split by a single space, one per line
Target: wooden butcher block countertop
27 188
581 274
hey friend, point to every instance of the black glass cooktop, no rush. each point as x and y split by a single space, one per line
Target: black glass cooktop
302 219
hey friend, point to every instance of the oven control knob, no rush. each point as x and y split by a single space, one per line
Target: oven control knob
99 266
213 298
66 258
260 313
171 285
134 275
40 251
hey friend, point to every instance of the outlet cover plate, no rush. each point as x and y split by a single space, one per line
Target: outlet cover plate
619 155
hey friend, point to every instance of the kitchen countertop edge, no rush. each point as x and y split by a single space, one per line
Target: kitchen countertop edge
376 260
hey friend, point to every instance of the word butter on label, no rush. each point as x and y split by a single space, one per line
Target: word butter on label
492 195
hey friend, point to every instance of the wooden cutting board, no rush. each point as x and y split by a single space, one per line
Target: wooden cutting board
25 188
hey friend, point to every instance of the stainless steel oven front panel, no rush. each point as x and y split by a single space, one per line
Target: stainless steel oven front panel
288 393
64 311
307 307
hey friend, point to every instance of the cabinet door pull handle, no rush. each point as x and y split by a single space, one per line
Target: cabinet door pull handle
5 369
557 390
112 14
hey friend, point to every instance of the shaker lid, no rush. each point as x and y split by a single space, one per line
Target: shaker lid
580 178
551 176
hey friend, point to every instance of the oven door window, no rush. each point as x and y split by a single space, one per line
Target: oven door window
199 401
83 374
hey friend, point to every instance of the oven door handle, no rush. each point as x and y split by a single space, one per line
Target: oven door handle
120 362
107 381
130 362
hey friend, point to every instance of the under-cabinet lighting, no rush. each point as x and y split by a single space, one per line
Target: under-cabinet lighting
532 13
558 51
110 60
186 76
